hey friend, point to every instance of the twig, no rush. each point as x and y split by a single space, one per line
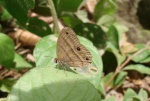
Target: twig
54 15
124 64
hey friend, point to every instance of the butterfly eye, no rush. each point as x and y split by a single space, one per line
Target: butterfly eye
78 48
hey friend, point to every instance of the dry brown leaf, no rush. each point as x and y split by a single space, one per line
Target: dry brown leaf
24 37
90 5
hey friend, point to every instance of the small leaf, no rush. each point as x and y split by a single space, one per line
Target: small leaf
102 90
107 77
129 95
136 99
49 84
140 68
101 8
6 85
143 55
118 57
146 60
7 51
143 95
20 62
5 15
71 21
120 78
107 58
113 36
82 15
66 5
121 28
106 20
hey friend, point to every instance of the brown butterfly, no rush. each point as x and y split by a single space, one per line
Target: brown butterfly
69 50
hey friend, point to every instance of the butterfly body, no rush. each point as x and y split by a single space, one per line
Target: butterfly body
69 50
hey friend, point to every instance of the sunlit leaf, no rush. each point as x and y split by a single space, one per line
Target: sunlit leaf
140 68
49 84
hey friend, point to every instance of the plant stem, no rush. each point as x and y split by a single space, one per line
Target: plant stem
54 15
124 64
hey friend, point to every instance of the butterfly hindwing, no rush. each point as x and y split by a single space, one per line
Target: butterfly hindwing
69 50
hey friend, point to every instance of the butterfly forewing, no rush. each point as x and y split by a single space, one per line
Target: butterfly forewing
69 50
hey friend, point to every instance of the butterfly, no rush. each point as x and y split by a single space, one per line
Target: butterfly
70 52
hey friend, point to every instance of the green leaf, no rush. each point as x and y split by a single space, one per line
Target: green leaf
113 36
38 27
140 68
146 60
66 5
106 20
49 84
20 62
93 32
111 98
82 15
102 89
143 95
4 15
104 7
70 20
107 58
18 9
120 28
6 85
107 77
136 99
143 55
7 51
129 95
115 55
120 78
41 8
45 52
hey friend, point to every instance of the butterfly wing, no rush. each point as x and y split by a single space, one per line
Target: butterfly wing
69 50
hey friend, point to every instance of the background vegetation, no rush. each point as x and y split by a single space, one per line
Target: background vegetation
116 33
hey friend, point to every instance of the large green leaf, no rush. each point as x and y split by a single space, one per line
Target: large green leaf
18 9
49 84
45 52
93 32
7 52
